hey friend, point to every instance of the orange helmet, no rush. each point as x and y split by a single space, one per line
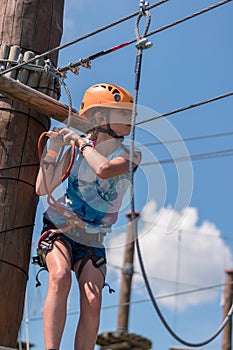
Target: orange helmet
105 95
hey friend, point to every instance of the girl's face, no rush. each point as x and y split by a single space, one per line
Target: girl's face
120 121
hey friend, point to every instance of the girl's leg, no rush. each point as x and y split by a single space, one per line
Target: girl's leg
91 283
59 266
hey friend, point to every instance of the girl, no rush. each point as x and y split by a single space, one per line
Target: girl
96 185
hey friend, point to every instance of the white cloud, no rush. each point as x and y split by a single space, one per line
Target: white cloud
191 256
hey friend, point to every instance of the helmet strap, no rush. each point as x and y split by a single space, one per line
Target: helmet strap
108 131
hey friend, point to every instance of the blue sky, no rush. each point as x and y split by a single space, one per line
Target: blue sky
185 227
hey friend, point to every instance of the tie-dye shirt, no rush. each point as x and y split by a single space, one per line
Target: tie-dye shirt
96 201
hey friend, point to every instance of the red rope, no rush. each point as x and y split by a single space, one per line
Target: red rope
72 221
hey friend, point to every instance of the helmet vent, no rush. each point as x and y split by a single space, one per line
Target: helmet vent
117 97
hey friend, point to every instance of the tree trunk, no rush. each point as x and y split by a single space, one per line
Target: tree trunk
29 27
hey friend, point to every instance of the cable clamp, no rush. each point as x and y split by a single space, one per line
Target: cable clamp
128 269
20 58
86 63
143 7
47 65
73 69
144 44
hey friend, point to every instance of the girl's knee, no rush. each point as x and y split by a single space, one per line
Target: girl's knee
60 280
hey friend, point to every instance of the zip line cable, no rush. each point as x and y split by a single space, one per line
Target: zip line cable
186 18
156 143
165 296
58 48
141 45
82 62
140 49
85 62
185 139
185 108
209 155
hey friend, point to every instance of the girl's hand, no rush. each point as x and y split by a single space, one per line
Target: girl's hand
68 136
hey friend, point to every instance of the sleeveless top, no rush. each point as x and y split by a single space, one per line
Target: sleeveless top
96 201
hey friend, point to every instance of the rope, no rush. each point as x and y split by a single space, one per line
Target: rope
142 44
207 341
133 215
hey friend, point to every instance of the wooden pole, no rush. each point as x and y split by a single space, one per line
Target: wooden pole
28 27
126 279
228 293
121 339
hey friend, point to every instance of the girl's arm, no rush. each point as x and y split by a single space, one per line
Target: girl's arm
49 176
105 168
50 172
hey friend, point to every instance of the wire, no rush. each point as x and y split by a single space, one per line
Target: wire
223 153
14 265
16 179
185 139
184 19
164 296
58 48
182 109
19 166
156 31
17 228
133 215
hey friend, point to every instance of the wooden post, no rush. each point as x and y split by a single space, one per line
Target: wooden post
28 27
126 279
121 339
228 293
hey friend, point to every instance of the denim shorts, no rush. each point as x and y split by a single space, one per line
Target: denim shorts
78 250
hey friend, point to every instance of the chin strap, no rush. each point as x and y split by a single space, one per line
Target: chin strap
110 132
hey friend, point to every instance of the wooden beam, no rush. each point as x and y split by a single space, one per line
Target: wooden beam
16 91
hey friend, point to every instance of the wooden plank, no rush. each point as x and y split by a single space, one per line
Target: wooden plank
42 103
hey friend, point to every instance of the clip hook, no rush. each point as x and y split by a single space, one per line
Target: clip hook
143 7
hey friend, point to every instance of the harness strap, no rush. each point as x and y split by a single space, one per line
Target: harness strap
96 260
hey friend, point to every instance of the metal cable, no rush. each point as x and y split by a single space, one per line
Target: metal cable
121 45
58 48
209 155
133 215
17 228
14 265
185 108
185 139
